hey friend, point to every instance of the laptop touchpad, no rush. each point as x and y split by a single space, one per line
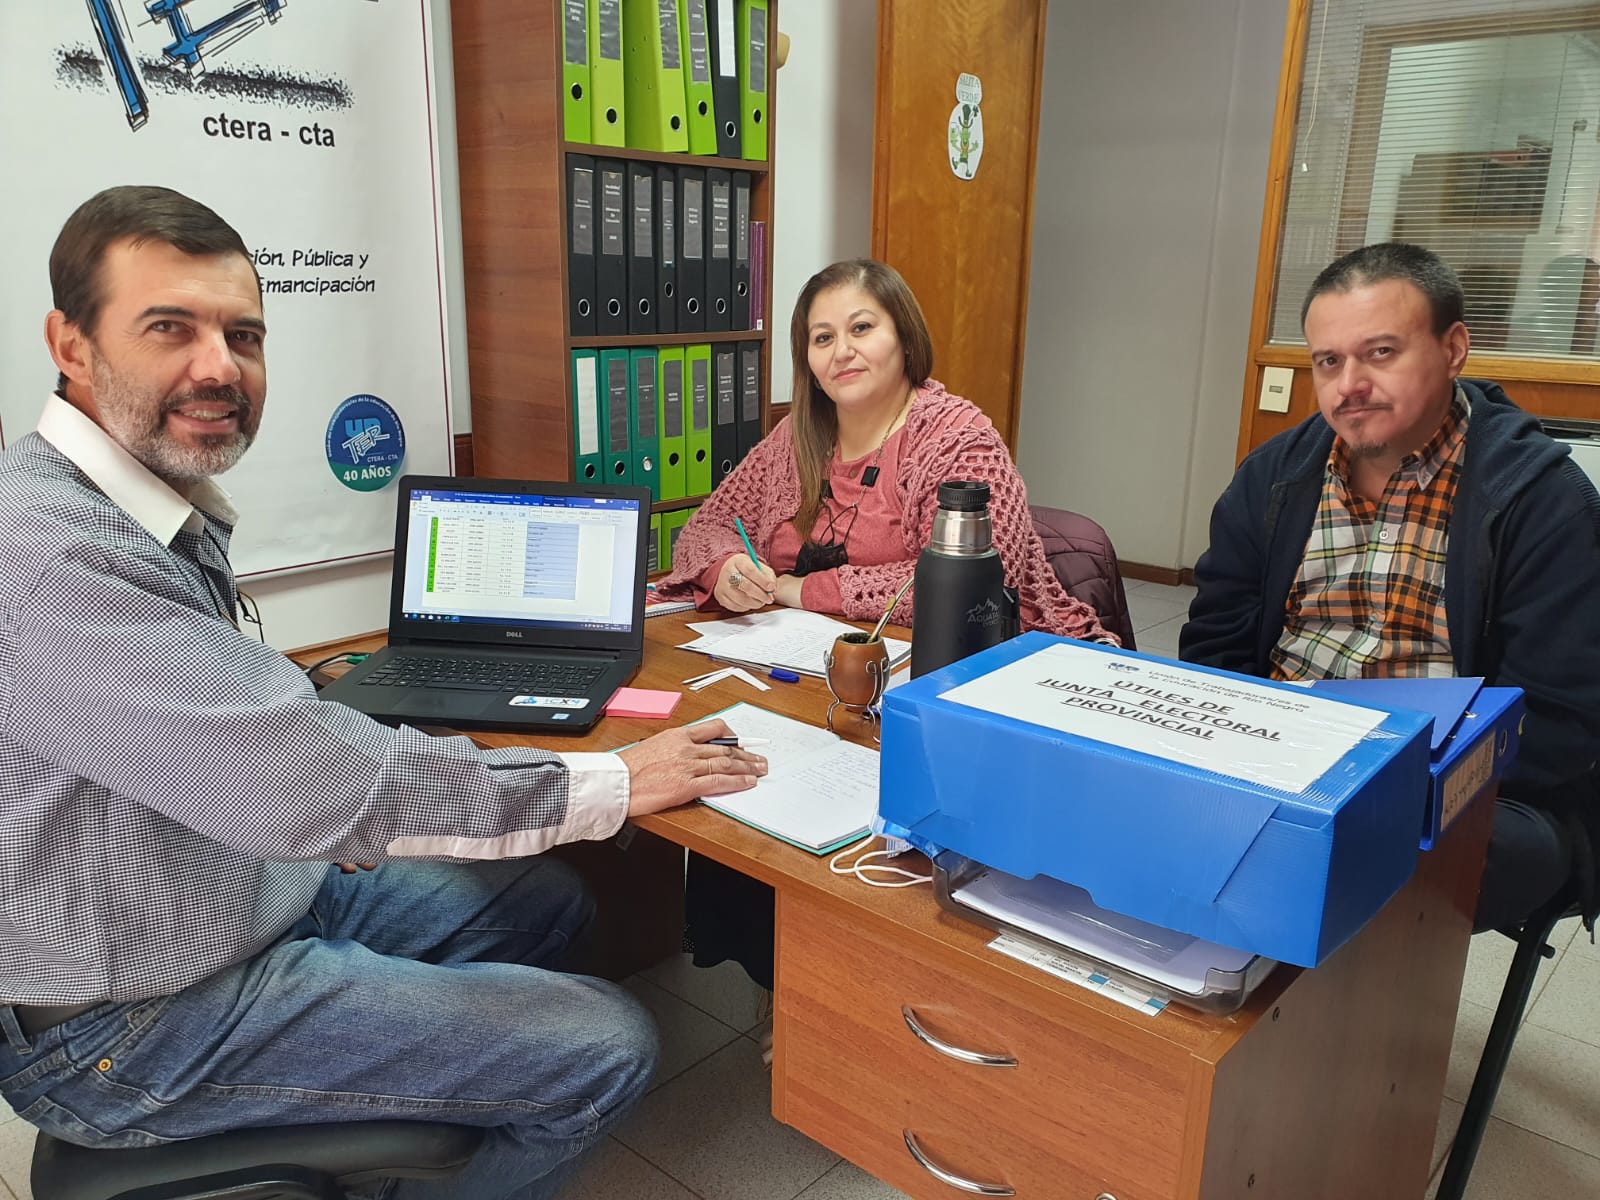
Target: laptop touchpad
422 702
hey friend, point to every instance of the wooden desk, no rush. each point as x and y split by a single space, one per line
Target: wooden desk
1327 1084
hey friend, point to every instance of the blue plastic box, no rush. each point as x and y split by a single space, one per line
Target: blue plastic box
1249 813
1476 734
1483 745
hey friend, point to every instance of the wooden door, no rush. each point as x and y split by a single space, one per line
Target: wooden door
962 244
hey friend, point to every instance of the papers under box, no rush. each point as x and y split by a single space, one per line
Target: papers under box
1253 814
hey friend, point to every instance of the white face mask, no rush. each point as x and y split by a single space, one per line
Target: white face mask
897 877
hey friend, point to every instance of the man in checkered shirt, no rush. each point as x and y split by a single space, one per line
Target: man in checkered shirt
1422 524
177 954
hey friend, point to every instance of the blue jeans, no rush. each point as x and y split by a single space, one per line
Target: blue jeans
419 991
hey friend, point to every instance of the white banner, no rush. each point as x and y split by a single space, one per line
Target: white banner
308 126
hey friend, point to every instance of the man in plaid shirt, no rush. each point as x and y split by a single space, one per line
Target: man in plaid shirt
1422 524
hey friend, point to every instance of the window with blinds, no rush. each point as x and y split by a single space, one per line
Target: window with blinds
1471 127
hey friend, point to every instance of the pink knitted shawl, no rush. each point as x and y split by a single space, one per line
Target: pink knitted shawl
946 437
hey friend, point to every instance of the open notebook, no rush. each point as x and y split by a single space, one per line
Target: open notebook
820 792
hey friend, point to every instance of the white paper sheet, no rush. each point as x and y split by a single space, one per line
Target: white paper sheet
1065 915
784 637
1265 735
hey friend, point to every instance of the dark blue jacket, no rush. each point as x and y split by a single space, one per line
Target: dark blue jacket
1521 590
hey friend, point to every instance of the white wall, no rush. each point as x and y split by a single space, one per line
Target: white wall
299 608
1156 119
320 604
823 169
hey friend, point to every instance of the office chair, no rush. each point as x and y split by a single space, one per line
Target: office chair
1083 559
290 1162
1533 943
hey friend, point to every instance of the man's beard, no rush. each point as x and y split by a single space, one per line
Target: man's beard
136 420
1367 448
1355 452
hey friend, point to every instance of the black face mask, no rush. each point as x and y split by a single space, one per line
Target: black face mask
815 556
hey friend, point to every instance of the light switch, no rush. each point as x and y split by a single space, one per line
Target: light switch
1275 385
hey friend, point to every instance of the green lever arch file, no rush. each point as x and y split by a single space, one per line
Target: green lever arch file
752 36
607 87
616 429
642 414
575 123
586 464
653 76
672 426
698 95
697 366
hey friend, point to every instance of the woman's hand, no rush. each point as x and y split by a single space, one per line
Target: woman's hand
742 585
787 591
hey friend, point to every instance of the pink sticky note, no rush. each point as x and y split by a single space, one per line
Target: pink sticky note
643 702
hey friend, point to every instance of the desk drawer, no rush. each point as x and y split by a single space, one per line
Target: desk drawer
1090 1107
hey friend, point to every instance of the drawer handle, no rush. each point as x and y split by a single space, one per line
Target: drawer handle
974 1057
955 1181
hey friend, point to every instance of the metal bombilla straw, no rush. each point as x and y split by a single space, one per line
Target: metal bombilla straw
898 596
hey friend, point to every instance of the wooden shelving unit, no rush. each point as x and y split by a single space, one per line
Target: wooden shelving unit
512 153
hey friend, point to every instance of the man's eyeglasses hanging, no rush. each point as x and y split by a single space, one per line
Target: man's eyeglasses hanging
249 614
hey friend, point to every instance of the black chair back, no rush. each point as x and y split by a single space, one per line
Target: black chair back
287 1162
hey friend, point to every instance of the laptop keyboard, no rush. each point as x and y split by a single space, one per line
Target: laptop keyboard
486 675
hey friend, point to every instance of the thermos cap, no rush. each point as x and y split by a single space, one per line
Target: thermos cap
963 495
961 526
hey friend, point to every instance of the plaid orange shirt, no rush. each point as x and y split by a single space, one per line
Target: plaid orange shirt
1369 597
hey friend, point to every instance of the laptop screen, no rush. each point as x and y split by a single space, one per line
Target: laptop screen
521 561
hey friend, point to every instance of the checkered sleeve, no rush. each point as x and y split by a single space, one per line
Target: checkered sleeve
120 682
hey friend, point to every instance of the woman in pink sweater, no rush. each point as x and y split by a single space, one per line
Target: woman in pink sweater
839 499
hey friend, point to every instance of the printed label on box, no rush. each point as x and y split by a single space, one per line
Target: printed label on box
1466 781
1279 739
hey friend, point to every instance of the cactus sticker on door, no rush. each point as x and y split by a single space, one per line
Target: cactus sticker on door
966 127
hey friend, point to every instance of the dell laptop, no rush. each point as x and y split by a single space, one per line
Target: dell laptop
514 606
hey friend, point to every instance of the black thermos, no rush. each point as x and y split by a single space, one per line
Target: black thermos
962 603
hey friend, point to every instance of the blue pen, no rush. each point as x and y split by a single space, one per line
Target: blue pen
784 675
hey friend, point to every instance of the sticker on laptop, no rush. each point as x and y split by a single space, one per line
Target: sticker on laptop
549 701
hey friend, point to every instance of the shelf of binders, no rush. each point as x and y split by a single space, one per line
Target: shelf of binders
665 203
662 248
516 143
684 76
674 418
664 108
